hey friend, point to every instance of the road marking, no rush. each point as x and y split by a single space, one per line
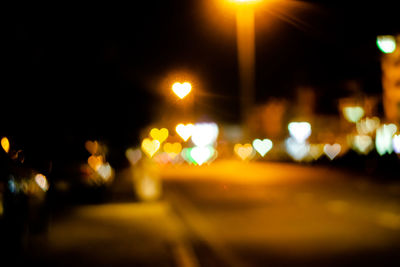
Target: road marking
203 230
184 255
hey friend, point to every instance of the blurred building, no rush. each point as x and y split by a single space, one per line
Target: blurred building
390 63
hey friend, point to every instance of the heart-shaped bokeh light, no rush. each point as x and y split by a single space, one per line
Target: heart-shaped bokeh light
95 162
184 131
316 150
172 149
159 134
133 155
92 146
300 131
367 125
205 133
105 171
243 151
363 143
396 143
201 154
353 114
181 89
298 151
332 150
262 146
384 138
150 147
185 154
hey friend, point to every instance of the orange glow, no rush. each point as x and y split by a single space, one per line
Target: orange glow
159 135
150 147
245 2
95 162
92 146
5 144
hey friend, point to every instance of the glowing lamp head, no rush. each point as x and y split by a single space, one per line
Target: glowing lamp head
248 2
181 89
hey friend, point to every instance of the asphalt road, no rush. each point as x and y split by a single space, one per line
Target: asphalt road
233 214
286 215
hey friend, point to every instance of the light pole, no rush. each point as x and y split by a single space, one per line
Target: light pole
246 54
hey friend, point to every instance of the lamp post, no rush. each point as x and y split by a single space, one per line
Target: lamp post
246 55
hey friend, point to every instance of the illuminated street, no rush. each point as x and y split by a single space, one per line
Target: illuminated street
210 133
272 214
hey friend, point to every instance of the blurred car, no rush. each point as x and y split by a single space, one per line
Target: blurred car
23 194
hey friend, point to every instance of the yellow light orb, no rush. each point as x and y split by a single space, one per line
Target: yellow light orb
5 144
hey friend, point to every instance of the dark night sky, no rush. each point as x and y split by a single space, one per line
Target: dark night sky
94 72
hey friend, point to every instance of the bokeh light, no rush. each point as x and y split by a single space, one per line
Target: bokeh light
353 114
41 181
244 152
396 143
384 137
184 131
300 131
181 89
150 147
262 146
5 144
201 155
159 134
205 134
386 43
133 155
332 150
297 150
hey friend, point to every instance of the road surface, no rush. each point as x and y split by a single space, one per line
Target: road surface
234 214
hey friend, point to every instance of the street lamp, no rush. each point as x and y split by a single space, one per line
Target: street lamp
181 89
185 104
